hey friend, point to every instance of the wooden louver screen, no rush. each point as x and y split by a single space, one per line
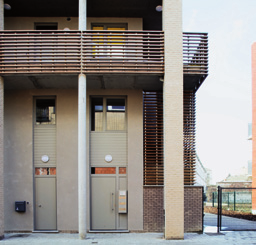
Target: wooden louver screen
153 138
189 137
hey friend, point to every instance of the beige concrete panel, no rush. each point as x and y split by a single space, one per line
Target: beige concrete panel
28 23
18 167
19 155
173 120
135 151
135 160
67 168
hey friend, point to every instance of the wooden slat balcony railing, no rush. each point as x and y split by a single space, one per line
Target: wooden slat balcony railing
195 53
95 52
123 52
35 52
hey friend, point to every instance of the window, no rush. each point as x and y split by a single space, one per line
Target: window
108 114
115 114
45 111
111 45
110 26
46 26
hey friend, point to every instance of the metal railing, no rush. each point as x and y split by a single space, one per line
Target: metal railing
94 52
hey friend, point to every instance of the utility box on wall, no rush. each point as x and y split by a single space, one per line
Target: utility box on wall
123 202
20 206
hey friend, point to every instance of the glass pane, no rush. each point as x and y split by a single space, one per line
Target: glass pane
103 170
45 171
97 114
45 111
115 114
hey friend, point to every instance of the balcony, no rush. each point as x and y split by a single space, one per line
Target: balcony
97 52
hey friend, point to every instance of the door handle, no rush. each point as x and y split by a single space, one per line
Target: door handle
39 205
112 201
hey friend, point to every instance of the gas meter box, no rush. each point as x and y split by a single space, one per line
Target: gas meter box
20 206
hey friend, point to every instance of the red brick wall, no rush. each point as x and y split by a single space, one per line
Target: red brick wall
153 211
193 209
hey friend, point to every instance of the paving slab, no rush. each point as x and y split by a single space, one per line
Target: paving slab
209 237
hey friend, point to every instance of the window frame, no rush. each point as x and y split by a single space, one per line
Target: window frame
104 120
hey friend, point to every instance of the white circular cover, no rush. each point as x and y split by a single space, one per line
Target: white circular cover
108 158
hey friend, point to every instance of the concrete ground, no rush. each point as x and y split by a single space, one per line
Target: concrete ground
209 237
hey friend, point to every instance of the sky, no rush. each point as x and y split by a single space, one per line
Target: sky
224 99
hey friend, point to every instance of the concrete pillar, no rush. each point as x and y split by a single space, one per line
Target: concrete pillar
1 135
82 174
173 120
82 15
254 128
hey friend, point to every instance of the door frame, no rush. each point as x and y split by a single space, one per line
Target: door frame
35 98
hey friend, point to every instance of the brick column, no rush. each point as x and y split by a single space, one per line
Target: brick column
1 135
254 127
173 120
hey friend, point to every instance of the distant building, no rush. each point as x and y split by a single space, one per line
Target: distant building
236 181
201 173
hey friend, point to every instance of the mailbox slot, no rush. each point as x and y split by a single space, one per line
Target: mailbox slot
20 206
122 202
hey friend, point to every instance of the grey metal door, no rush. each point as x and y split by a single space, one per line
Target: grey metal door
103 203
45 203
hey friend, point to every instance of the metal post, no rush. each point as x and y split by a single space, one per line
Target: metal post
213 199
218 216
234 201
228 199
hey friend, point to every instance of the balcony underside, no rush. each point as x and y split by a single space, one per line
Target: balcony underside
93 82
144 82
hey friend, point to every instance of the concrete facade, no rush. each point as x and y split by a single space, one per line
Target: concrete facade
165 208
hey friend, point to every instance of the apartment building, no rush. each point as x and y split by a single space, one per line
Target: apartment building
97 117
